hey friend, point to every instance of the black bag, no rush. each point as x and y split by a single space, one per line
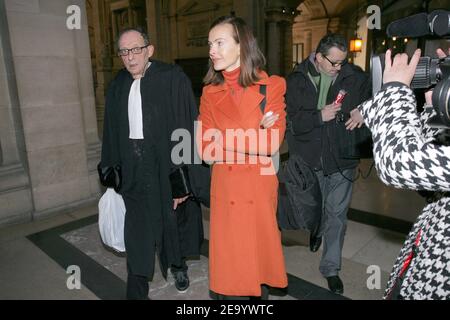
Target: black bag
110 176
299 197
179 180
353 144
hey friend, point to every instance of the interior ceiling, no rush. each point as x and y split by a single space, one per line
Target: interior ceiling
314 9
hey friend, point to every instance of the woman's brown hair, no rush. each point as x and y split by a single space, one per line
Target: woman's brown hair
252 59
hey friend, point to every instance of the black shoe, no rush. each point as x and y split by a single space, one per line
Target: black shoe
181 281
335 284
314 243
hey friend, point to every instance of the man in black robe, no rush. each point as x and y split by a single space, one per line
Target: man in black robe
145 103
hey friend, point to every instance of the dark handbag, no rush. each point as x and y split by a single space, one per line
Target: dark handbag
299 197
110 176
353 144
179 181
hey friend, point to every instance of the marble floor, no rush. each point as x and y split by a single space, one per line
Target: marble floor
36 258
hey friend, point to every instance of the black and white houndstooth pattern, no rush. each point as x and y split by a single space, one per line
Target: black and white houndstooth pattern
406 157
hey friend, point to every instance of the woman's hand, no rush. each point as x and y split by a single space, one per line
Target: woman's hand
268 120
398 69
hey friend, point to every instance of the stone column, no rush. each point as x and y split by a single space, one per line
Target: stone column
288 42
308 44
153 13
279 18
273 48
253 12
160 29
55 96
246 10
87 98
103 63
16 203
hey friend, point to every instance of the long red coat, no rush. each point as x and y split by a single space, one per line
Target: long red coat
245 248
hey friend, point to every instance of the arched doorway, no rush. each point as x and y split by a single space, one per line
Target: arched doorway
317 17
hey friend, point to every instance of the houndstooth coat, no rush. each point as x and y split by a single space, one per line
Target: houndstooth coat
406 157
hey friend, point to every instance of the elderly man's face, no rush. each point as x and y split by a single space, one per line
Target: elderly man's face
135 62
331 63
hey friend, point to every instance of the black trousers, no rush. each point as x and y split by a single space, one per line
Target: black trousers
177 268
137 287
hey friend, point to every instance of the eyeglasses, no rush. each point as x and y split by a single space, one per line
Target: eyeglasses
336 64
125 52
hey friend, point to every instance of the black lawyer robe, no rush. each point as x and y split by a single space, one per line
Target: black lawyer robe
167 104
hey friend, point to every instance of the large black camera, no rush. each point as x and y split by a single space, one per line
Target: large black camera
429 72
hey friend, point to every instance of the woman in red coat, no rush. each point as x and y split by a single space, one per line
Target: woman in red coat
245 252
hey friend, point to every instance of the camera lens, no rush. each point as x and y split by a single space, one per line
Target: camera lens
427 73
441 100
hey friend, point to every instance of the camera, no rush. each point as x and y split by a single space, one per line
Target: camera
429 72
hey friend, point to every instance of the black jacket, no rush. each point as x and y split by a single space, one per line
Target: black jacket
307 135
167 104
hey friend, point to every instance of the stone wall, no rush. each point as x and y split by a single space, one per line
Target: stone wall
51 118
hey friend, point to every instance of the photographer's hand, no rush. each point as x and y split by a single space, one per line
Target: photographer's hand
356 120
428 95
399 70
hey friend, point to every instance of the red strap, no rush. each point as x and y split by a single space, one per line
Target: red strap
410 256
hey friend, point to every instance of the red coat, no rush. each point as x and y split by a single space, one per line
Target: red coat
245 248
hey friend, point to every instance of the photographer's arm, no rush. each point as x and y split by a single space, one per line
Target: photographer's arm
427 113
403 156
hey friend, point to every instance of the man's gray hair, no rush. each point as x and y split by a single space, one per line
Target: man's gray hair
139 30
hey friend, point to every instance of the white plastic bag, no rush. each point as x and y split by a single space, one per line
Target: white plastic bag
111 220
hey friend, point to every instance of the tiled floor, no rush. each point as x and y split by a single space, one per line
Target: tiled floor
34 256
